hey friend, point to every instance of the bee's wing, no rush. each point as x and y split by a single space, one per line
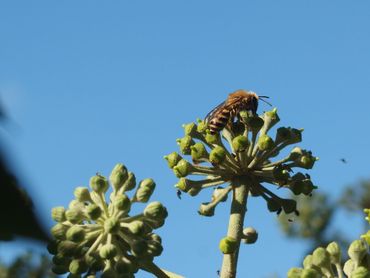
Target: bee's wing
213 111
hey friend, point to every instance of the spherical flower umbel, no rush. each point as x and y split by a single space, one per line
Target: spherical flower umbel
244 153
97 234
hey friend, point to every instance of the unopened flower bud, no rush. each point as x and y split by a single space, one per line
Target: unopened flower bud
182 169
58 214
99 184
288 135
59 231
349 267
250 235
360 272
130 182
270 119
265 143
335 253
190 129
240 143
321 258
77 266
198 152
306 161
155 211
154 248
366 237
67 248
144 191
93 211
295 153
228 245
357 250
52 247
125 266
75 234
310 273
183 185
273 205
82 194
74 216
122 203
118 176
185 143
206 210
202 126
295 272
60 269
94 261
307 262
254 123
281 175
138 247
137 227
111 225
212 138
217 155
108 251
289 205
59 259
173 159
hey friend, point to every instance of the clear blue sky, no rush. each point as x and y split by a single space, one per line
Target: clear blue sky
88 84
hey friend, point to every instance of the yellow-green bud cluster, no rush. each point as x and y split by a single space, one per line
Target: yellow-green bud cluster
96 234
243 151
327 262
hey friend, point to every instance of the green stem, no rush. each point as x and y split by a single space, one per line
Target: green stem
235 230
151 267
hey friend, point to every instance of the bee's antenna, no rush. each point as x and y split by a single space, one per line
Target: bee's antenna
262 98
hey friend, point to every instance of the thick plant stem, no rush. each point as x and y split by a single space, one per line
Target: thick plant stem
235 230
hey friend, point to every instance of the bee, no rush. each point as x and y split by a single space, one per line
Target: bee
225 112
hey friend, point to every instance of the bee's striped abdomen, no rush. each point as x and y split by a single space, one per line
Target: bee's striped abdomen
219 121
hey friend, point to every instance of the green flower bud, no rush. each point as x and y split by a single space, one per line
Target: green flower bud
250 235
217 192
58 214
265 143
154 248
349 267
75 204
289 205
173 159
99 184
228 245
199 152
137 227
194 191
183 185
77 266
273 205
182 169
155 211
281 175
122 203
335 253
202 126
59 259
124 266
67 248
138 247
82 194
112 225
310 273
74 216
306 161
357 250
321 258
93 211
360 272
295 272
108 251
52 247
144 191
307 262
270 118
155 237
118 176
75 234
217 155
190 129
94 261
59 269
240 143
206 210
288 135
212 138
254 123
59 231
185 143
366 237
295 153
130 182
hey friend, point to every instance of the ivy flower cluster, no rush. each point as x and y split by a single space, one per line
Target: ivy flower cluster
243 153
97 235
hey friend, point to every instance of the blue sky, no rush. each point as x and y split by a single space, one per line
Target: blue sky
88 84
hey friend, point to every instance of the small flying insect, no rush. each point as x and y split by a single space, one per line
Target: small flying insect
343 160
178 193
224 114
